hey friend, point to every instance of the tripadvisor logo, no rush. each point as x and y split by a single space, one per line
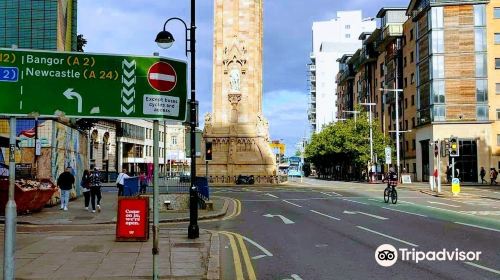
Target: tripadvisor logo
387 255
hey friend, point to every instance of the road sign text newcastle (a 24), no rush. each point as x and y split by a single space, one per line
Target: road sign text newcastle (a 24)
91 85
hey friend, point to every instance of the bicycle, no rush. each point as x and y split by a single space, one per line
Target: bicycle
390 192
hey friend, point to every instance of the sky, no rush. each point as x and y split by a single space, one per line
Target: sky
130 27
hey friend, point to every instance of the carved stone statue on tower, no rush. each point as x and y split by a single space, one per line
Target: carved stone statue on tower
237 128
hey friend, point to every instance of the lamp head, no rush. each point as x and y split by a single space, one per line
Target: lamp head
164 39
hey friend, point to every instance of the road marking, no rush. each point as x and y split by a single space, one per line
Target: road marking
285 220
236 210
388 236
446 204
271 195
328 216
373 199
486 228
292 203
264 250
483 267
295 277
366 214
354 201
405 212
482 213
329 194
246 258
236 257
402 201
443 209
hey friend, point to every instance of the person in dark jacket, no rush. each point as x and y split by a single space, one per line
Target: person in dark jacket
95 189
85 184
65 183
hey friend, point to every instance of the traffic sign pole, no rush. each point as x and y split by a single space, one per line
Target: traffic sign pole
10 210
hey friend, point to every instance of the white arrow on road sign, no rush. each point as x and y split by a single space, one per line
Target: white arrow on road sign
285 220
366 214
70 94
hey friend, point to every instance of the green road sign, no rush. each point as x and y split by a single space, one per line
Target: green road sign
87 85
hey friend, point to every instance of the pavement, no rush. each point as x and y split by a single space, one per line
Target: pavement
78 244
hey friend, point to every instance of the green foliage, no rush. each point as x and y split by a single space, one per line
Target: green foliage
346 143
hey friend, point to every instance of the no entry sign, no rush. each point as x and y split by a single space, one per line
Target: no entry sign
162 76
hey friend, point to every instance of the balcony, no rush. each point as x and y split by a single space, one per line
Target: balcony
312 99
390 33
312 56
312 67
312 88
312 78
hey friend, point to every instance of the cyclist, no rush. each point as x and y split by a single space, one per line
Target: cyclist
390 191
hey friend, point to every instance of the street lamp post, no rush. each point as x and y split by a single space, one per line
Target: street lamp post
164 39
396 95
371 132
355 115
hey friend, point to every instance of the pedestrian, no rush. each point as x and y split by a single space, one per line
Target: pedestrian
492 176
95 189
143 182
482 173
120 181
85 184
65 183
495 174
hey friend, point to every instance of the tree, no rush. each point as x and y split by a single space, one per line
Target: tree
81 42
342 149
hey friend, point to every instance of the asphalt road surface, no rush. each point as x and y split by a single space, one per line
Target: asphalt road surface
331 230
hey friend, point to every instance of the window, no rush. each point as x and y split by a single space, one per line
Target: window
497 88
406 124
498 114
438 41
348 36
412 80
404 61
174 140
405 82
438 92
438 67
482 112
411 57
479 15
413 100
381 69
407 146
406 103
497 38
347 26
481 65
496 13
437 17
411 34
480 39
413 122
414 147
497 63
481 91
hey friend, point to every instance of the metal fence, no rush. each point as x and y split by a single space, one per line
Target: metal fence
168 185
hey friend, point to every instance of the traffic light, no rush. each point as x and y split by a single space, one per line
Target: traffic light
208 150
454 147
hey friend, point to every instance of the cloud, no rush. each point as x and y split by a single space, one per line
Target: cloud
286 112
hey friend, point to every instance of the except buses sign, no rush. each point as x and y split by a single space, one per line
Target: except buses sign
91 85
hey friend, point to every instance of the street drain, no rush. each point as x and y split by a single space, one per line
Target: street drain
188 245
87 249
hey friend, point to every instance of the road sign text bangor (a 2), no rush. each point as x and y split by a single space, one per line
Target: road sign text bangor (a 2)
91 85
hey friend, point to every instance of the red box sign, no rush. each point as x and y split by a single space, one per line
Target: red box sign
133 219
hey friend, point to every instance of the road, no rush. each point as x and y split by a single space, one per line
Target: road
331 230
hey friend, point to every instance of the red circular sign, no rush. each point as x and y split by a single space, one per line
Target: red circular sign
162 76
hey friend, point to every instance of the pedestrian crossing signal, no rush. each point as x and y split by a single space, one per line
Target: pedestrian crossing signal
454 147
208 151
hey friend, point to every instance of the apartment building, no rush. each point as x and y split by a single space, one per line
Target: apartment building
331 40
445 57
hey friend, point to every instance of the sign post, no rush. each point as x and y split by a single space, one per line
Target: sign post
86 85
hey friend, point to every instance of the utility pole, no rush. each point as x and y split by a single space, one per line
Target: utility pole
371 132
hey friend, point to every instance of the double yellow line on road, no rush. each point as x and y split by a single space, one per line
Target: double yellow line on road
238 265
236 209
